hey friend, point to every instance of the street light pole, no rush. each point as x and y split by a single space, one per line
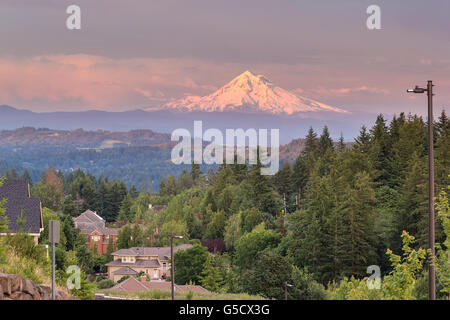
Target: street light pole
286 285
431 234
431 219
172 264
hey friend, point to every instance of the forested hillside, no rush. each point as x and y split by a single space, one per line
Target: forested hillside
316 223
126 156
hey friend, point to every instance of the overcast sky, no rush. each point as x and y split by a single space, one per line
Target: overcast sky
135 54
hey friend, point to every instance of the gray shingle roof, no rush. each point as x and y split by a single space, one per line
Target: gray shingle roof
139 263
20 204
89 221
125 271
163 253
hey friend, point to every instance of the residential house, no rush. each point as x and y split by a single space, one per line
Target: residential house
23 212
133 285
92 226
151 261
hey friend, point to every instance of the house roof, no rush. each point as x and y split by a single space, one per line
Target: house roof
133 285
89 221
107 231
130 285
151 263
125 271
89 216
19 204
163 253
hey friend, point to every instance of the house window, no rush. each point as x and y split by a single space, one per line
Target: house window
128 259
96 238
164 266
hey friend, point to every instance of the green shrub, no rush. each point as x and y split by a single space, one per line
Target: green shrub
23 243
123 279
105 284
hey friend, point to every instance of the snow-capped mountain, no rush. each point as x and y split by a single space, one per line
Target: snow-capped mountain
249 93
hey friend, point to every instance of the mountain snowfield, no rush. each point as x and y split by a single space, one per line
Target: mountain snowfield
249 93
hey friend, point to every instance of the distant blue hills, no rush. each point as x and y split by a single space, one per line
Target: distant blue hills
165 121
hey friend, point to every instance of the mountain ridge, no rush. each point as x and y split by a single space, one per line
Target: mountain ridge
252 94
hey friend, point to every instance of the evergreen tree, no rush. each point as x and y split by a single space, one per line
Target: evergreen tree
300 175
380 150
261 193
442 151
311 144
325 141
211 277
69 231
69 208
284 181
414 201
171 186
359 244
195 171
363 140
411 138
239 170
134 193
124 238
26 176
341 143
162 187
12 174
125 209
310 229
185 181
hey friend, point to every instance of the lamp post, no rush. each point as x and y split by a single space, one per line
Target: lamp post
286 285
54 237
172 273
431 269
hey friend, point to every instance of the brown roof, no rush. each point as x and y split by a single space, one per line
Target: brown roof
133 285
163 253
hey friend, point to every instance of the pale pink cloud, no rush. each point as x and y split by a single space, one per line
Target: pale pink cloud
322 91
94 81
81 82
